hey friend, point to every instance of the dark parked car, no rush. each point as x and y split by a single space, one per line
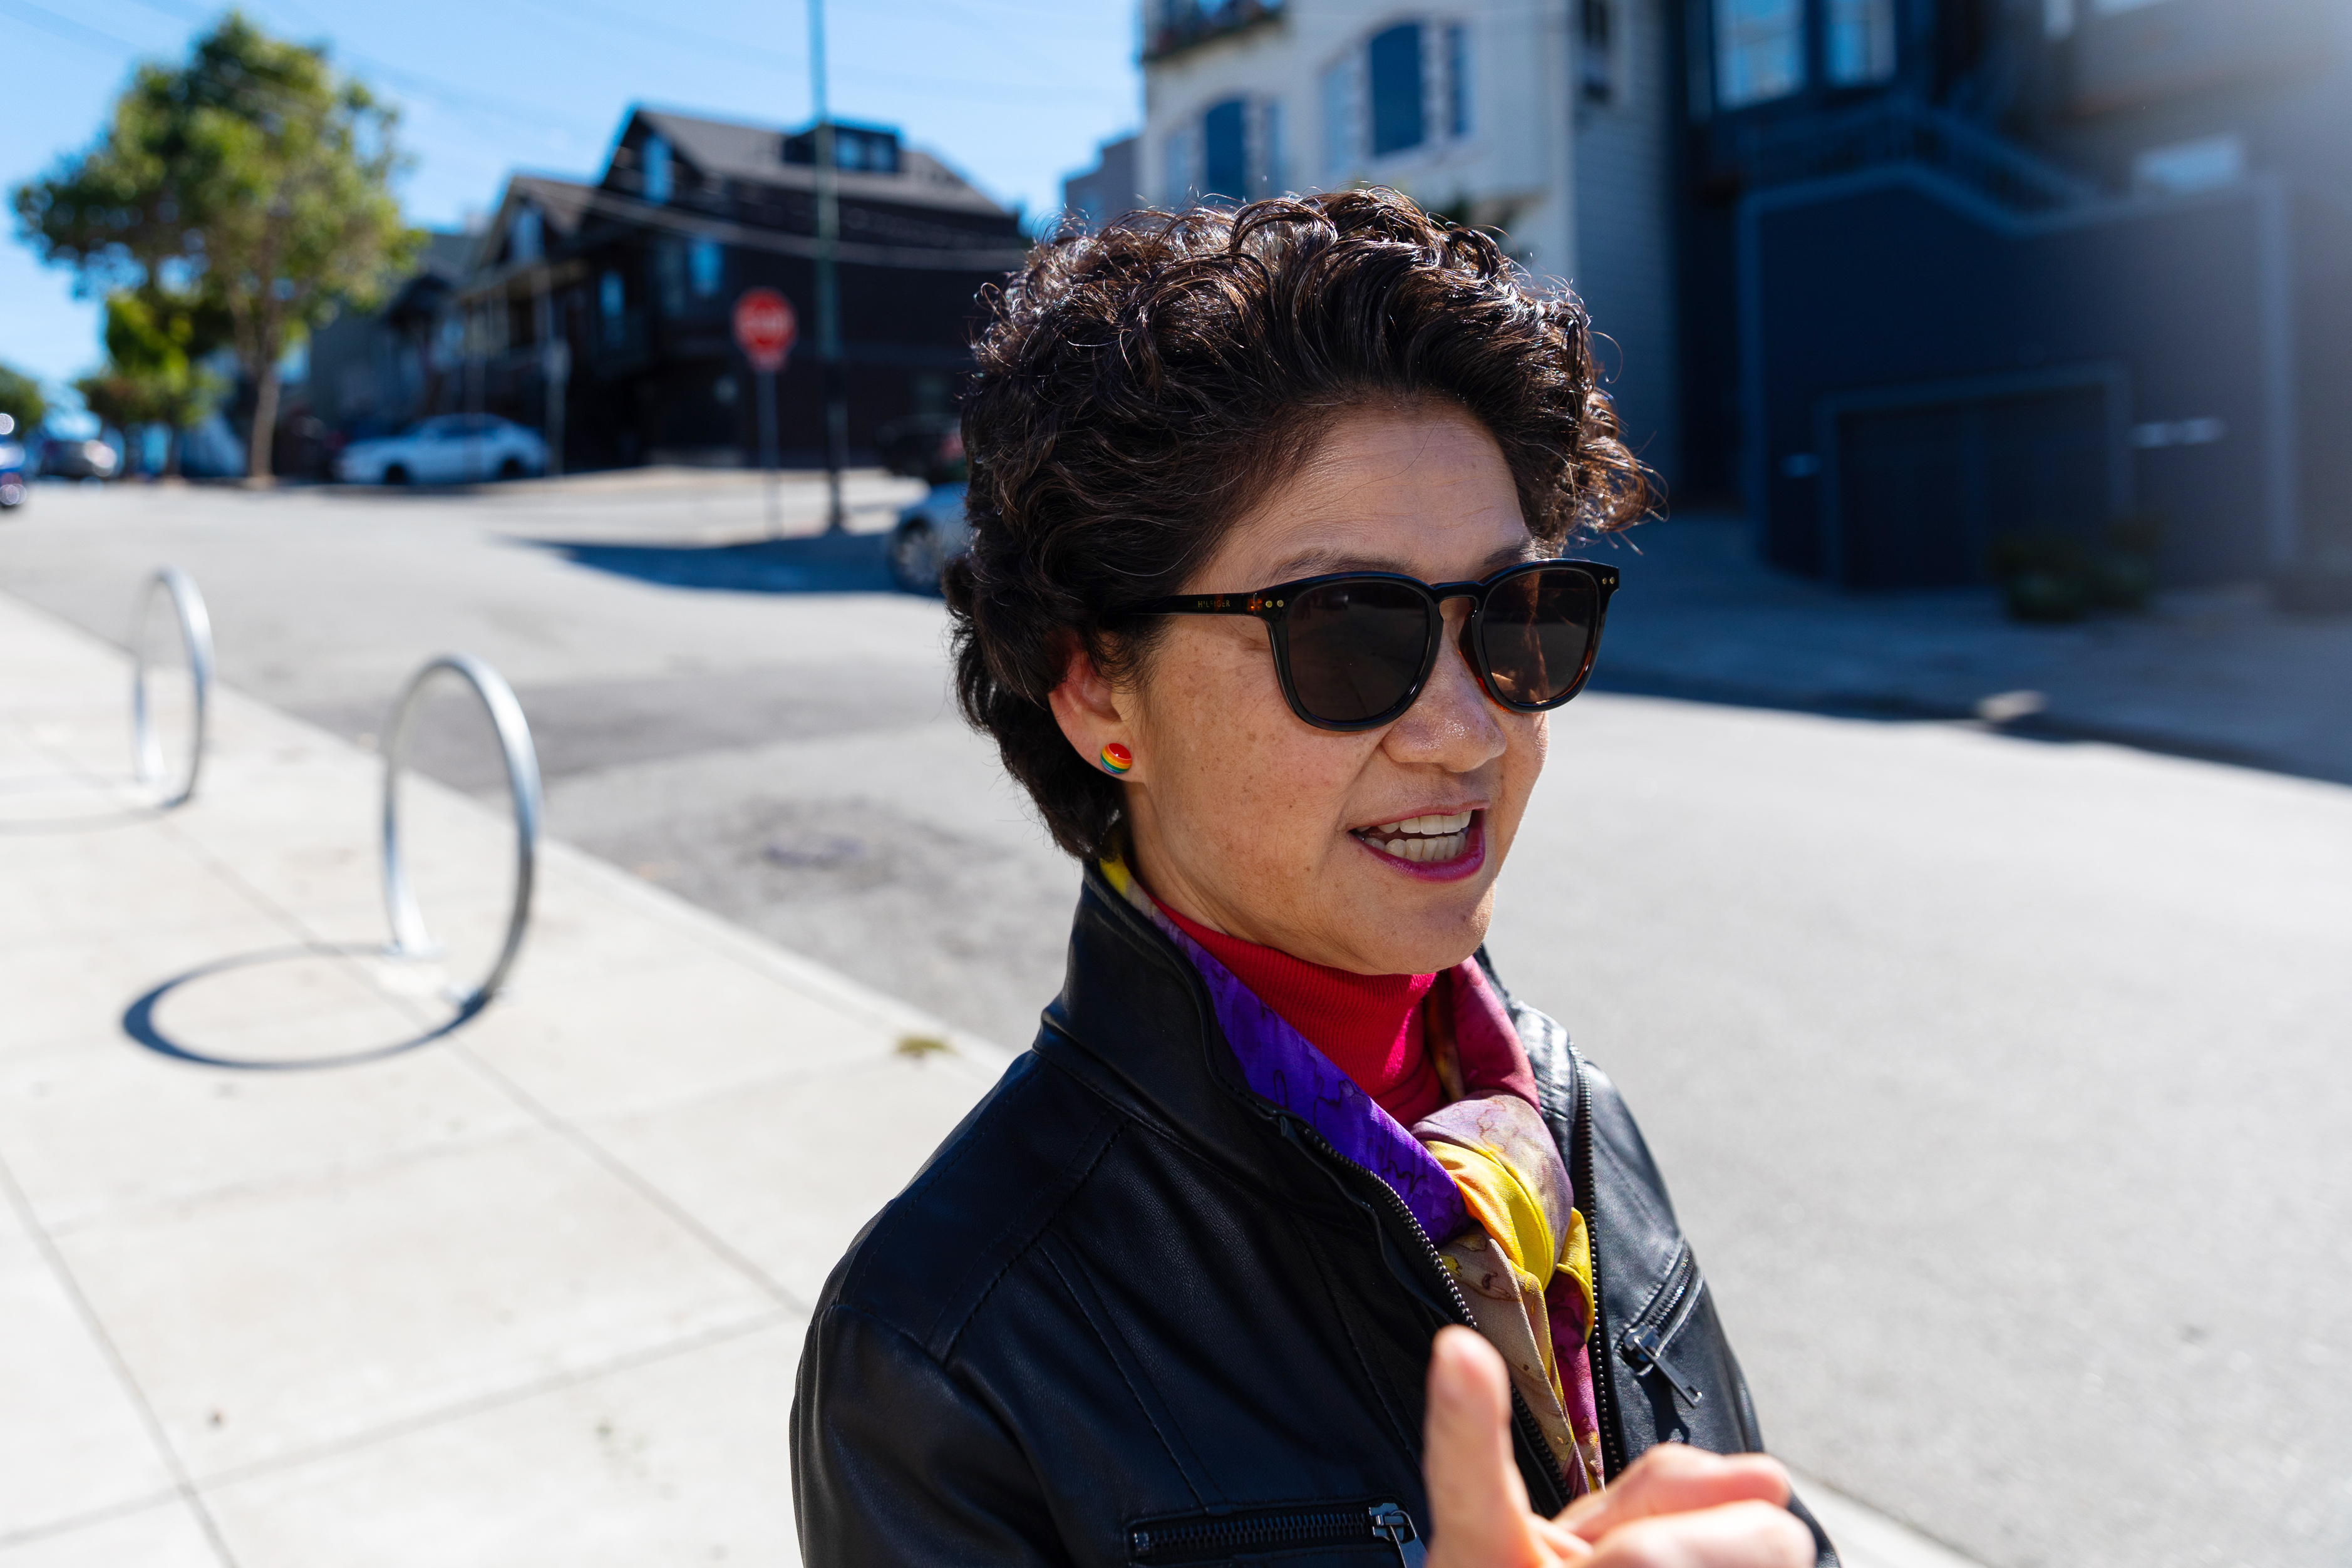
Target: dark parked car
71 459
930 533
926 446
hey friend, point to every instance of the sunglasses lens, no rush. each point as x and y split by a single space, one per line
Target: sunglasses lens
1539 632
1356 648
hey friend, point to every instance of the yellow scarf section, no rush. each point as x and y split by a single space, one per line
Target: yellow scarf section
1505 1267
1527 1240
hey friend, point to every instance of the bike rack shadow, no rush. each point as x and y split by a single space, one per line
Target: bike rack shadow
139 1018
149 767
411 939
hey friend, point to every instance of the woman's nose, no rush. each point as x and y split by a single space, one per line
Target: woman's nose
1450 723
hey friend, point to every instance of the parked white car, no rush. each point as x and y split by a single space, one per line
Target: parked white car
446 449
930 533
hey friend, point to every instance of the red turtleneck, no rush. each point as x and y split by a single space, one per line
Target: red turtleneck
1369 1025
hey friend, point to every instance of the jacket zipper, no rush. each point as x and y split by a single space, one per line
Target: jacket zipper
1523 1420
1647 1338
1604 1395
1202 1540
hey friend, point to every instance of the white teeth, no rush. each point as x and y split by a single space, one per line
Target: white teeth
1424 839
1452 822
1428 850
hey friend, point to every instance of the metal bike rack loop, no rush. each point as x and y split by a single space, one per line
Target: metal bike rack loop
196 638
409 937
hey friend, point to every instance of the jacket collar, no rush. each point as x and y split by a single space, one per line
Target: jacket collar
1136 1019
1133 1004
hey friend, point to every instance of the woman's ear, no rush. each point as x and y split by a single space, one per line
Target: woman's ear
1094 714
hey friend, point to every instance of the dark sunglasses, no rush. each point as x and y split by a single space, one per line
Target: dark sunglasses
1353 649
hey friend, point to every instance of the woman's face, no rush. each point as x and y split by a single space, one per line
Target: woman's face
1252 822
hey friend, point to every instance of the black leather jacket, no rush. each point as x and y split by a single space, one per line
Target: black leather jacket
1130 1313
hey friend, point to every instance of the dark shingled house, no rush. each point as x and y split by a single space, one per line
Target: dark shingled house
602 311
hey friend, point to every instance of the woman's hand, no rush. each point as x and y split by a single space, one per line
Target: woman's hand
1676 1507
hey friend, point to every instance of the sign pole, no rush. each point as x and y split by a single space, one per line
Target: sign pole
768 442
765 327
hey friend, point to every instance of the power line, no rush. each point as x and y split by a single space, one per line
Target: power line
669 33
67 28
512 110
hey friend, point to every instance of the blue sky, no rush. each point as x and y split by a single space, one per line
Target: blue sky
1015 93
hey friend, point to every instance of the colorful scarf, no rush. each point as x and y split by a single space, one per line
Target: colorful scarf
1482 1176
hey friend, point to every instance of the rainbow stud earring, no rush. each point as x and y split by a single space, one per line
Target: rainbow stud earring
1116 759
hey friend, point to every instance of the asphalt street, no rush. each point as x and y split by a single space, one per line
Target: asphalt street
1998 1077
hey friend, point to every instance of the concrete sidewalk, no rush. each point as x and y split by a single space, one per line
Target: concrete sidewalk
529 1292
2217 674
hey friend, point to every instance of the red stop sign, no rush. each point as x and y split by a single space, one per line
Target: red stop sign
765 327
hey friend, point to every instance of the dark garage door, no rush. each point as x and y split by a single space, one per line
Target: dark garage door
1924 488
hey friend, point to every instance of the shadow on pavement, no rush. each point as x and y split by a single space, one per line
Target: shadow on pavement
838 564
139 1019
1898 707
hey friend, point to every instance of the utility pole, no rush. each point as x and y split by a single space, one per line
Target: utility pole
828 280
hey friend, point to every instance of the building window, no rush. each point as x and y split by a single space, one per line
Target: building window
1274 175
1224 151
1595 63
526 239
1858 47
1178 157
610 304
1400 115
875 152
1457 81
1339 91
1760 50
2204 165
657 170
704 265
670 276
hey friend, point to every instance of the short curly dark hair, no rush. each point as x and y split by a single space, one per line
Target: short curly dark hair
1139 388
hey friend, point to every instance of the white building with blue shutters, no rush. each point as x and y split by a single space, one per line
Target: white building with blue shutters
1552 121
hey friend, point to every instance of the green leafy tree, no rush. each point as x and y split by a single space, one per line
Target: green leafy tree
21 399
156 342
253 177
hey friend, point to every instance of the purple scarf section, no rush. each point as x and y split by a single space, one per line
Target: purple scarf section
1282 1065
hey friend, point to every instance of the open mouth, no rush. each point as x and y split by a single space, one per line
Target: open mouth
1423 840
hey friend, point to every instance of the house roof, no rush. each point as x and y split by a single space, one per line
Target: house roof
731 148
561 203
447 253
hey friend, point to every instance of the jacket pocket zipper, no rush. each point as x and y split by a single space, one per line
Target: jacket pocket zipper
1523 1420
1209 1540
1650 1335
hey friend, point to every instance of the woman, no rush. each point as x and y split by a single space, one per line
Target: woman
1263 608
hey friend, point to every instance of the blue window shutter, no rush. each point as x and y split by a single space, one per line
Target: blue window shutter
1224 151
1400 115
